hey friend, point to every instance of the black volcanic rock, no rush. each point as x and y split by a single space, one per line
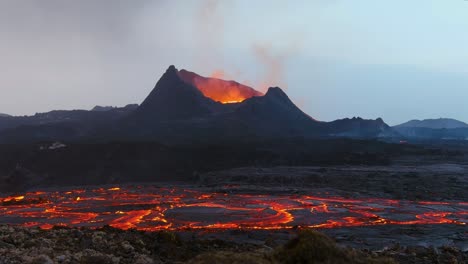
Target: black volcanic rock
423 133
59 124
99 108
275 104
360 128
20 179
173 99
274 114
128 108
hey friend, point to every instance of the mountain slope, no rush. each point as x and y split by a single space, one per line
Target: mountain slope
274 114
58 124
173 99
434 129
360 128
424 133
440 123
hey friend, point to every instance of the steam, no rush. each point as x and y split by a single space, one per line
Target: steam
209 9
210 30
273 66
212 22
218 74
274 63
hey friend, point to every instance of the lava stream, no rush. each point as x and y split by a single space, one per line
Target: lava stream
153 208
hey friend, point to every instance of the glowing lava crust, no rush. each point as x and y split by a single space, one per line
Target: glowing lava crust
153 208
226 92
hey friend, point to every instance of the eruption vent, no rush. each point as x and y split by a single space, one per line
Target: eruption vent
219 90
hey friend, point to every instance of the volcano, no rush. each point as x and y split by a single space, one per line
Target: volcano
185 106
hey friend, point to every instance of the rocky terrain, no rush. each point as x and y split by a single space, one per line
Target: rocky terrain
428 180
48 164
108 245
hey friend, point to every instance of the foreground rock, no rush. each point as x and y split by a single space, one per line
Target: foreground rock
109 245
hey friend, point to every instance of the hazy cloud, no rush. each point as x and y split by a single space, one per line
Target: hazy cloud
63 54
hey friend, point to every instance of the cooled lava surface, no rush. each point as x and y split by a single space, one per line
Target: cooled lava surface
154 208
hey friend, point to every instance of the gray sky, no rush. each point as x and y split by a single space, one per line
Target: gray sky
398 59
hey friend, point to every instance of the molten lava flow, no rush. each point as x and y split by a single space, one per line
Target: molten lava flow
153 208
10 199
130 219
219 90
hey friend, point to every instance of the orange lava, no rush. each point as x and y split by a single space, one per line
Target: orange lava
219 90
16 199
153 208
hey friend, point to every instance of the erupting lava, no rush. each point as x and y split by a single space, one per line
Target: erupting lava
152 208
219 90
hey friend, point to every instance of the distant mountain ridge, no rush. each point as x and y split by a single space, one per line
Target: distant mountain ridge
439 123
129 107
102 108
58 124
434 129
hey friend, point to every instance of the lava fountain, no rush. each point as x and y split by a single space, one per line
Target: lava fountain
153 208
217 89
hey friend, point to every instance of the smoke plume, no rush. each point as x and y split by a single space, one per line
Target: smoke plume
210 25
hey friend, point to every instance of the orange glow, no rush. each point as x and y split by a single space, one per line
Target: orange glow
153 208
130 219
226 92
13 198
218 74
